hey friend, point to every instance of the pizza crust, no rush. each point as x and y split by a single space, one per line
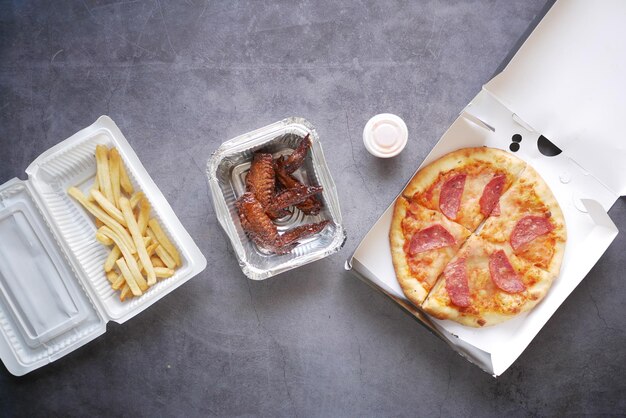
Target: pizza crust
412 288
457 159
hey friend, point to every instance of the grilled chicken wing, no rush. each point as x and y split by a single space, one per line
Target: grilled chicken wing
311 205
261 180
290 197
264 233
296 158
255 222
302 232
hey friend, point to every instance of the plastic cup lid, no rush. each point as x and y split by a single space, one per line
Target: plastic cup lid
385 135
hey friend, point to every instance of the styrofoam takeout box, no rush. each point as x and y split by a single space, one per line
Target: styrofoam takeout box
54 295
566 82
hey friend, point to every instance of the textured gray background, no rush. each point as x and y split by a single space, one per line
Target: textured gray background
179 79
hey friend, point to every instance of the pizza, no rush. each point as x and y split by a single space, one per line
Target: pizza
477 237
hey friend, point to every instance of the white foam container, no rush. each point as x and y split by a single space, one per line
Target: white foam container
54 295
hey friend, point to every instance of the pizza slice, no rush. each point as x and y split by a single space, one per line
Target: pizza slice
422 242
465 185
485 284
530 223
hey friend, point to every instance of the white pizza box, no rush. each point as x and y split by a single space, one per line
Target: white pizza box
566 84
54 296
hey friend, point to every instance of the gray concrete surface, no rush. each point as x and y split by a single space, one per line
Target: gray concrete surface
179 79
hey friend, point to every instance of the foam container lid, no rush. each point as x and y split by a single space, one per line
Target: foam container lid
54 295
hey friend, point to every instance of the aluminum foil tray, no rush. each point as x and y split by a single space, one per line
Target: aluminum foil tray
226 171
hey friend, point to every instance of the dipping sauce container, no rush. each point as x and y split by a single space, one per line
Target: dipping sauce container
385 135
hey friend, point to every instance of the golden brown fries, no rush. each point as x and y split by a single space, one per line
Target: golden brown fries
99 213
102 171
166 257
135 198
164 241
141 253
125 180
138 238
114 170
108 207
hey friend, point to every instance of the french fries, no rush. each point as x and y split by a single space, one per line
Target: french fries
164 241
141 253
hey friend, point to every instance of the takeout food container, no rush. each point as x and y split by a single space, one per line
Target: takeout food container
545 95
227 169
54 295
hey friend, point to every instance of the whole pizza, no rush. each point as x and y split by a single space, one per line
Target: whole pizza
477 237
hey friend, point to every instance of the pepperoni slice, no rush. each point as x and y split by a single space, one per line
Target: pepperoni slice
527 229
456 283
450 195
496 210
491 194
503 274
430 238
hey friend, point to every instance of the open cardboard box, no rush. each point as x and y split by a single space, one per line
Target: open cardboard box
566 83
54 295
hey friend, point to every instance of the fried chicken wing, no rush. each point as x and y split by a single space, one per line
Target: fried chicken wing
261 180
302 232
255 222
290 197
311 205
296 158
264 233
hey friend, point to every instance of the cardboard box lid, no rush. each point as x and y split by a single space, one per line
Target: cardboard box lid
567 83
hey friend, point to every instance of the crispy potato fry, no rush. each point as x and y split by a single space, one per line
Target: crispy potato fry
94 186
165 257
99 223
163 272
112 258
164 241
108 207
151 235
128 257
103 239
119 282
102 170
144 215
134 199
125 293
138 238
124 180
112 276
128 276
157 262
104 217
114 171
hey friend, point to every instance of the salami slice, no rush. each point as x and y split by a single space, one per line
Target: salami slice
527 229
491 194
456 283
450 195
502 273
430 238
496 209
